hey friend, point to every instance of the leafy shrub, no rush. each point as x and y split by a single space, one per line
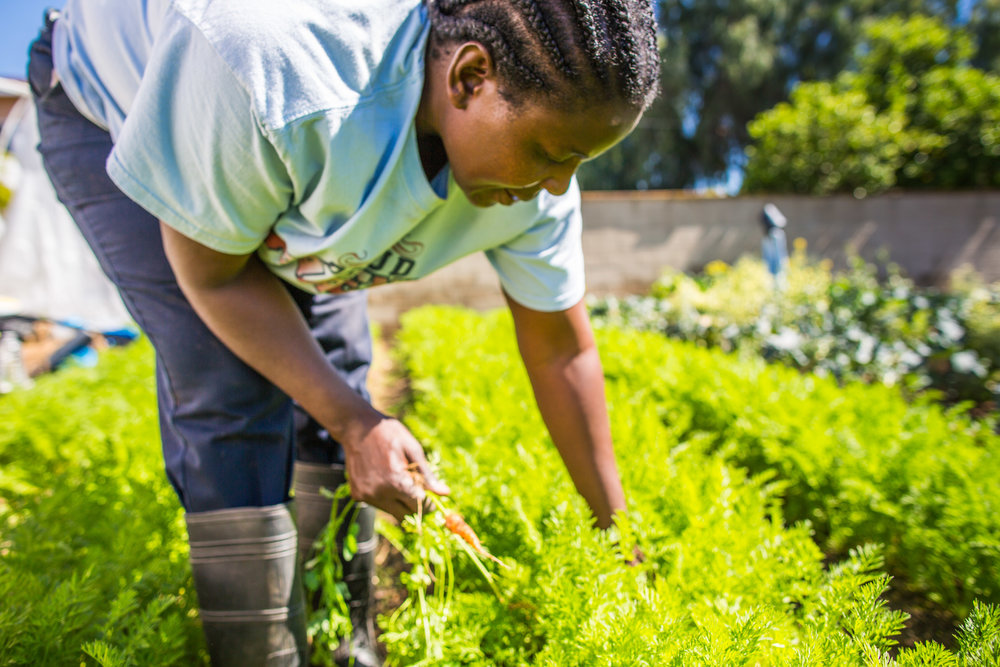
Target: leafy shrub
725 580
824 140
912 113
93 559
851 325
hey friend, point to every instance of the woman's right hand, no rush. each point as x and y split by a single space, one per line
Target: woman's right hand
245 305
385 467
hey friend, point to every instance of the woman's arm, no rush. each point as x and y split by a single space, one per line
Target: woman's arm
245 305
563 364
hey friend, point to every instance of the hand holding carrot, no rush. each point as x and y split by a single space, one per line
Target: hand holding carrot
453 521
380 466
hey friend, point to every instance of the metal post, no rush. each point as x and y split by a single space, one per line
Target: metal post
774 247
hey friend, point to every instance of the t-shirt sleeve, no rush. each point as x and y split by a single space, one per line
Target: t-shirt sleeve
542 268
192 152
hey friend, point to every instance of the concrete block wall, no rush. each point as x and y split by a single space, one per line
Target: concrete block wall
629 237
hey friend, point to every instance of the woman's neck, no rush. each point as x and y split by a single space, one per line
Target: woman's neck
432 155
427 122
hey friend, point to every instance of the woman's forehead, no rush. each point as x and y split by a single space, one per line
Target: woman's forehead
583 133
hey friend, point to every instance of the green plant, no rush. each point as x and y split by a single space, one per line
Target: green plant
93 558
323 577
852 325
912 113
731 573
419 627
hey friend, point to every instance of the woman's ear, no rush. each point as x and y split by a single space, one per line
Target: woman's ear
471 70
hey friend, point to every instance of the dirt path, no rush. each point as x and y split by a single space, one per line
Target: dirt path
385 383
388 391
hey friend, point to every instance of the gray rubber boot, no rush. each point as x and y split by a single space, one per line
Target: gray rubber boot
313 514
246 573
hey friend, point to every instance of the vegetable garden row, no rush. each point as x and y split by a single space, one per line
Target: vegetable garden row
773 508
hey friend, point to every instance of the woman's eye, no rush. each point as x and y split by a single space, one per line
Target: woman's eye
545 157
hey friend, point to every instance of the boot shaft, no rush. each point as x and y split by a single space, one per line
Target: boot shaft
246 573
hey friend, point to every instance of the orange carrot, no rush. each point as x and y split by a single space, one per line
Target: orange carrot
454 522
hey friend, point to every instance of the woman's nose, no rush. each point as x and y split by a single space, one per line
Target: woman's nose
559 179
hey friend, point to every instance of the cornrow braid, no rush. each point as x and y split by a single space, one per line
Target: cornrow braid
533 14
569 51
620 18
590 24
487 28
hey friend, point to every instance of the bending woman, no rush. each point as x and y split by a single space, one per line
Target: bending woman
244 170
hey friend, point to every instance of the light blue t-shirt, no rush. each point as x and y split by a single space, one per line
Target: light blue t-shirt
287 128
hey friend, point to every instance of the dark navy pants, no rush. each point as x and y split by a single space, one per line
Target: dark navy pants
229 436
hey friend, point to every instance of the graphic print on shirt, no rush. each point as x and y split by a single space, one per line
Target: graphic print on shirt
350 271
277 244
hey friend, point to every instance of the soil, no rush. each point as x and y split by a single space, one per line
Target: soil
386 383
389 389
389 594
928 621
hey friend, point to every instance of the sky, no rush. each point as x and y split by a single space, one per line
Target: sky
20 21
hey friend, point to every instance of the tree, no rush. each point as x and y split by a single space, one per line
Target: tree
724 61
984 23
824 140
912 112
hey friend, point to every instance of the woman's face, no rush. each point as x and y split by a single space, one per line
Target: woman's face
500 154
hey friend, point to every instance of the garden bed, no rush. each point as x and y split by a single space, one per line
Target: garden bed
869 323
682 417
772 507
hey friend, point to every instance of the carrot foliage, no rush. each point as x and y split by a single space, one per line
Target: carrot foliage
734 571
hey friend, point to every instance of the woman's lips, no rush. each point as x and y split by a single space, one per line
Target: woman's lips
506 197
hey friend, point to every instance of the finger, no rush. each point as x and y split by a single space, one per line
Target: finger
411 489
431 481
435 484
398 510
409 496
383 504
401 509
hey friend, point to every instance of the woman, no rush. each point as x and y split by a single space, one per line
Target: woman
244 169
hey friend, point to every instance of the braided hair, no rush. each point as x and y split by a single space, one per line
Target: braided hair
569 51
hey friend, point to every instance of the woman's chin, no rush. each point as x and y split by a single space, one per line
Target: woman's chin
483 198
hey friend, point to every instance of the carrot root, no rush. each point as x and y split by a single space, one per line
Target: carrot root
454 522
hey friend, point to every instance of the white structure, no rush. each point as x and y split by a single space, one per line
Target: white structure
46 268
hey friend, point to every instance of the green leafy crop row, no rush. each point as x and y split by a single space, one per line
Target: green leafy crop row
93 560
731 573
857 461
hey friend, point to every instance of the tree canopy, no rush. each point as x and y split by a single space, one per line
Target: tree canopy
913 112
725 61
